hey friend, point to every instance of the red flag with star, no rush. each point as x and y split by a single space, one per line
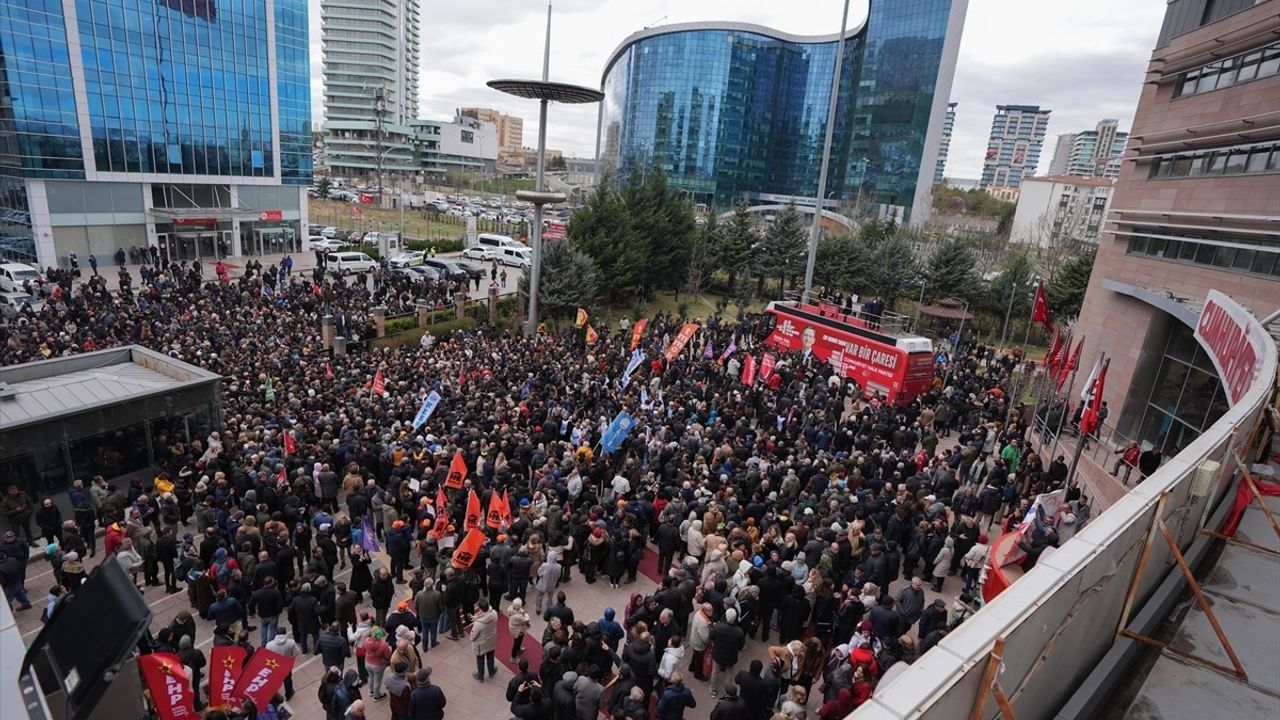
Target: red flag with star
262 677
379 384
225 664
170 688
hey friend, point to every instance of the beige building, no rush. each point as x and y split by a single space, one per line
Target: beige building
510 128
1060 209
1195 209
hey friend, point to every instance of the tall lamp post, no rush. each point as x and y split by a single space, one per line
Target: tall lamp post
544 91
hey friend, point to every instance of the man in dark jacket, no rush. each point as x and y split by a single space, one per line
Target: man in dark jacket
429 603
334 648
519 567
676 698
668 542
380 595
344 607
427 701
268 603
755 692
727 641
933 618
305 619
731 707
638 655
561 610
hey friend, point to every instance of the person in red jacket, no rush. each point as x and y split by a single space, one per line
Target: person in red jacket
112 539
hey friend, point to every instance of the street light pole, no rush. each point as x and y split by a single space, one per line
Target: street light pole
820 198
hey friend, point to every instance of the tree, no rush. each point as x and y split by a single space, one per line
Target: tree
664 220
782 254
704 255
1066 289
739 244
1011 293
323 186
556 163
602 229
1054 246
893 268
567 281
951 273
841 263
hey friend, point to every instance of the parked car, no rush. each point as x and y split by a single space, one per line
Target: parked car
344 263
426 273
520 257
329 231
479 252
473 270
408 259
12 275
12 303
448 269
324 243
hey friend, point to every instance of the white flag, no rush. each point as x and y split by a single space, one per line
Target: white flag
1086 392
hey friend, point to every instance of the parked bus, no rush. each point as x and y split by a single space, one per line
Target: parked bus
893 363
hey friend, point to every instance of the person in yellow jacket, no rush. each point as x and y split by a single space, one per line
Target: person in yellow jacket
163 484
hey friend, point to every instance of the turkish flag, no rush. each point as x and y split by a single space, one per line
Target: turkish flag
749 370
441 525
1051 355
766 365
471 520
467 551
170 688
637 330
225 664
1089 421
379 384
457 471
282 479
493 518
290 445
263 676
1070 364
1040 311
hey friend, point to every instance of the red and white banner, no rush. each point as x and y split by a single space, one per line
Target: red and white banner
637 330
874 365
749 370
170 688
554 231
1233 341
766 365
225 664
263 676
682 338
290 445
379 383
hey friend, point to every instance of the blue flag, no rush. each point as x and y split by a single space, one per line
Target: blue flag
637 357
428 407
368 536
617 431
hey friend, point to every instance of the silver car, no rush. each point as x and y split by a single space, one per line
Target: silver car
12 303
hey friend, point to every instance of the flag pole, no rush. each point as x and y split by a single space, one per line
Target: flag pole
1080 437
1071 381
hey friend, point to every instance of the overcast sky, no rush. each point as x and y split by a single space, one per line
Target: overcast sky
1083 59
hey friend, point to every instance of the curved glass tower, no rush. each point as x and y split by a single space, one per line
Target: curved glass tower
732 111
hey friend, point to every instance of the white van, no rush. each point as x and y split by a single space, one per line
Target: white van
497 242
343 263
521 257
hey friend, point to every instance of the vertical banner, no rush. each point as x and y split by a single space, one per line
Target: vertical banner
471 520
290 445
637 330
170 688
225 664
368 534
467 551
617 431
682 338
262 677
637 357
581 320
428 407
749 370
766 365
457 471
441 524
493 518
379 383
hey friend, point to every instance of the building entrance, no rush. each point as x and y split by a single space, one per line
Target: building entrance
193 244
270 241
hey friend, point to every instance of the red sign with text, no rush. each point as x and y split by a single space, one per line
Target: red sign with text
1227 330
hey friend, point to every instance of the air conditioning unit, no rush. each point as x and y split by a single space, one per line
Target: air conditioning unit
6 392
1205 473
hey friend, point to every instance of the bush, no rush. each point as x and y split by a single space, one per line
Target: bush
401 324
440 246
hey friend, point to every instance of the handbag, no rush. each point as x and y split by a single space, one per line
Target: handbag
707 661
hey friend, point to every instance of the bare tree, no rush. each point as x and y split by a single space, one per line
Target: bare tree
1051 244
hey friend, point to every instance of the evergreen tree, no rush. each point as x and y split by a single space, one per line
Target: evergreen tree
783 251
665 220
323 185
951 273
739 243
704 255
567 281
1011 293
841 263
603 230
1066 290
893 267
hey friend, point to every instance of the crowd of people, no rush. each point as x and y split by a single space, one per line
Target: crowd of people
796 510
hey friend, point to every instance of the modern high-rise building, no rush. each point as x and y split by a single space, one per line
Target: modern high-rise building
736 112
183 126
944 145
510 128
1013 150
1090 153
371 58
1194 212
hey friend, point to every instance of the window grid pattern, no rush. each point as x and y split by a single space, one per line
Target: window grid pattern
1252 65
1241 160
171 92
1210 252
39 132
293 89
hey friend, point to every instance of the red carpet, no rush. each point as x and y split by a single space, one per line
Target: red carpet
649 565
532 648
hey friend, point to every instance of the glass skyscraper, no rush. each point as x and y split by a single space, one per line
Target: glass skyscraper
180 124
730 111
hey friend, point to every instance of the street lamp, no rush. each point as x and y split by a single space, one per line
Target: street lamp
544 91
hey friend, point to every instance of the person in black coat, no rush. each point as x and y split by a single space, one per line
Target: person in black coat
933 618
304 616
167 556
519 568
772 593
754 691
668 540
793 616
380 596
727 641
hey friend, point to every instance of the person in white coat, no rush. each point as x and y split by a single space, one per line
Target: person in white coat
544 585
696 542
942 563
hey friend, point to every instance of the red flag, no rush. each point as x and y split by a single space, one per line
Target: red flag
467 551
457 471
471 520
493 518
682 338
1065 371
749 370
328 371
637 330
282 479
379 384
356 212
170 689
506 509
766 365
1089 422
225 664
263 676
1040 311
290 445
1051 355
441 525
592 335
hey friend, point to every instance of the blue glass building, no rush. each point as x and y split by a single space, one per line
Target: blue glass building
731 111
179 124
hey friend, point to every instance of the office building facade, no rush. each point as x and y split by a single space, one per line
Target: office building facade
1062 211
510 129
1013 150
749 123
944 145
371 59
1090 153
132 123
1194 211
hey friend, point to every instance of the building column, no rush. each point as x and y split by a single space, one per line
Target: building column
41 224
327 331
148 205
380 320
